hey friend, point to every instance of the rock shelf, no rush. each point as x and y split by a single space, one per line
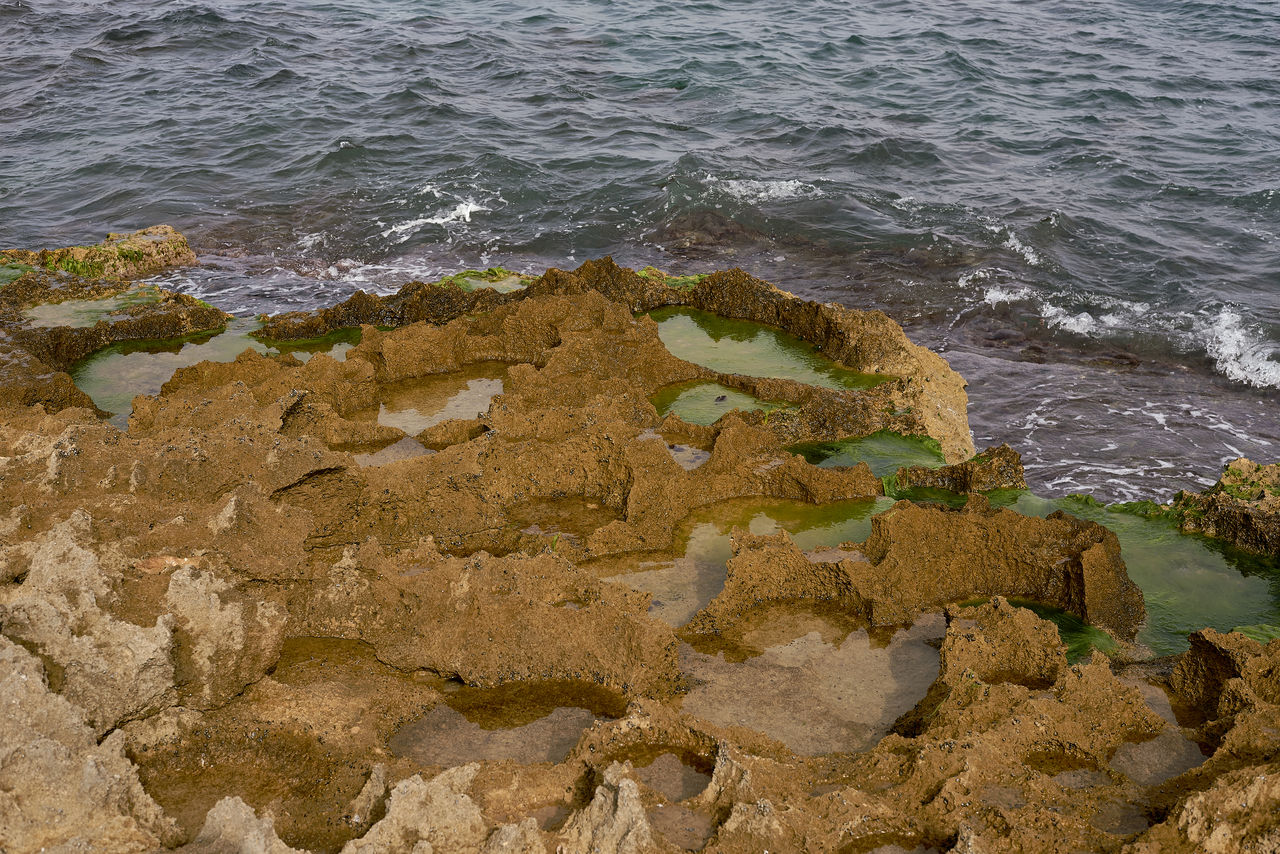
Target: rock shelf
247 622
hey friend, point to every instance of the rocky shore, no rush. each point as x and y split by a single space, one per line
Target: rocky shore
431 591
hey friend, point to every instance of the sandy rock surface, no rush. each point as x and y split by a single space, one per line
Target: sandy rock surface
223 628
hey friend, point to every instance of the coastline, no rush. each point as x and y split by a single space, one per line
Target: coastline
163 582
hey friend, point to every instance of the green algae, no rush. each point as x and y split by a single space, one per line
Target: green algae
10 270
113 376
1189 582
1262 633
681 283
499 279
336 344
885 452
751 349
702 402
85 269
82 313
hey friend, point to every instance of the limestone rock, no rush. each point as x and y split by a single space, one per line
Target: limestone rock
768 568
751 825
522 838
370 804
920 557
113 670
225 640
929 555
491 620
1225 674
437 812
121 256
613 823
994 643
1238 814
1243 507
59 788
998 642
995 468
731 783
232 827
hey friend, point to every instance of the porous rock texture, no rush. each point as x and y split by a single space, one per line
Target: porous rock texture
214 625
35 358
995 468
926 398
1243 507
130 255
922 557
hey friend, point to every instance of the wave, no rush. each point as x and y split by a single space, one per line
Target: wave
754 192
1238 352
461 213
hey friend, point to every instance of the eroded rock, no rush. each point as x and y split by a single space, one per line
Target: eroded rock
225 640
995 468
614 822
1243 507
307 609
121 256
59 788
437 812
115 671
232 825
929 555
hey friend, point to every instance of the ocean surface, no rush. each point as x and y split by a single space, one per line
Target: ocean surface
1078 203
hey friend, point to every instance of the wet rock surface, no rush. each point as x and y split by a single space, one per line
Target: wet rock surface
222 629
994 468
1243 507
72 302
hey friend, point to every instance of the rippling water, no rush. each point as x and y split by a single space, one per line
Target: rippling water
1079 203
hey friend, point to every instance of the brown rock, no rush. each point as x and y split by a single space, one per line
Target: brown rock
923 556
59 788
225 640
1224 674
121 256
995 468
1242 508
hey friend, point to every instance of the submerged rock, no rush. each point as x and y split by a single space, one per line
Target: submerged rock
1243 507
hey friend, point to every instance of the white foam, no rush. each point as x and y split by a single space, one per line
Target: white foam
461 213
1238 353
754 192
1059 318
1028 254
308 242
995 296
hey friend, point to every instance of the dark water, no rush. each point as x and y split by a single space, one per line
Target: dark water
1079 203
